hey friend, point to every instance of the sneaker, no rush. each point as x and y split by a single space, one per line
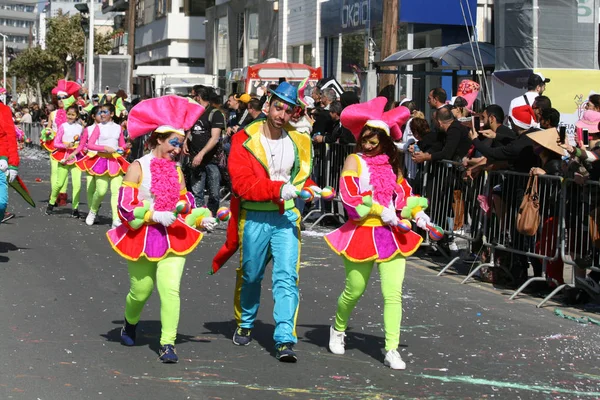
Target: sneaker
336 341
49 209
285 353
128 334
75 213
242 336
393 360
589 285
167 354
7 216
91 217
116 223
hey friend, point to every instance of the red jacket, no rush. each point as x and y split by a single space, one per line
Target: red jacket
8 137
250 179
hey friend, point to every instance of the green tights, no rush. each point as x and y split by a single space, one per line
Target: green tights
59 181
166 273
102 183
357 277
53 177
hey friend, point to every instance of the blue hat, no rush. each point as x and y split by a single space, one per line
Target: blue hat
287 93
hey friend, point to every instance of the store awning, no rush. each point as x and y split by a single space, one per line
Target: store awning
452 57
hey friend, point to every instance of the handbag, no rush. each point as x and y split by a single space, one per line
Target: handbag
458 207
528 217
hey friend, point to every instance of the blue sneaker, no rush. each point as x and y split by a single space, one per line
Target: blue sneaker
167 354
242 336
285 353
128 334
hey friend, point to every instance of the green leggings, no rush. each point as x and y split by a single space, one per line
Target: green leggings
102 183
357 277
90 188
60 181
53 178
166 273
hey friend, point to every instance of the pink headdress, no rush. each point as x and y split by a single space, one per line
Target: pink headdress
468 90
64 87
356 116
301 89
163 114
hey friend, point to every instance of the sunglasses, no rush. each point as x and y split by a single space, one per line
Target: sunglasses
103 112
62 97
176 143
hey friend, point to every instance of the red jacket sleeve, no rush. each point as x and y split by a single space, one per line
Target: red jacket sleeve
248 177
8 138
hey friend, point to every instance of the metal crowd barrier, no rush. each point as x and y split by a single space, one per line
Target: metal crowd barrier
453 202
328 162
33 132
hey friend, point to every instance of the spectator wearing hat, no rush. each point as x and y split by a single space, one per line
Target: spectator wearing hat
268 164
536 85
590 119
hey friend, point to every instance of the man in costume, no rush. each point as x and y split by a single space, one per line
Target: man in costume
9 155
268 164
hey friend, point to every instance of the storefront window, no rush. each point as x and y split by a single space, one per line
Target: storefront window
252 33
222 47
296 54
307 54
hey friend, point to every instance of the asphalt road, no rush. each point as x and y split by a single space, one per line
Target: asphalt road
62 291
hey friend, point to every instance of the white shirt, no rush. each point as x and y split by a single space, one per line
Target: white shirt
70 131
280 156
109 135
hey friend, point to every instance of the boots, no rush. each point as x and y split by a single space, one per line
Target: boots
62 199
128 333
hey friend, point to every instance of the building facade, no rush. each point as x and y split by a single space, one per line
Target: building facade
18 21
240 33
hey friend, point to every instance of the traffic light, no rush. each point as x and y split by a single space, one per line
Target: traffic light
85 16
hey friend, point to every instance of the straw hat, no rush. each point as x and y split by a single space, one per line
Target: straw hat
548 138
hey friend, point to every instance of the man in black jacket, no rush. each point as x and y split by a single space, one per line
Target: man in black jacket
519 152
456 142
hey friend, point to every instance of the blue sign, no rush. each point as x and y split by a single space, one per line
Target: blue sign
346 16
442 12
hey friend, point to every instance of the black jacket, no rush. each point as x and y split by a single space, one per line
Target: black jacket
519 153
456 143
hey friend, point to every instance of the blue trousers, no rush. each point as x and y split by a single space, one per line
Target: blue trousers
3 194
266 235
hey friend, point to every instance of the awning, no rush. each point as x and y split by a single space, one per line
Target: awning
452 57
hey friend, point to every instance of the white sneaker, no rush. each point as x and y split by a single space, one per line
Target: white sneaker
116 223
336 341
91 217
393 360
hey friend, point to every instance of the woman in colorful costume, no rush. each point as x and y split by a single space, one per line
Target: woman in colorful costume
65 92
374 194
159 217
107 165
66 153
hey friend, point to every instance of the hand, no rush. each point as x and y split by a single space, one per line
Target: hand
389 217
488 133
473 134
11 174
3 165
165 218
570 149
185 150
318 139
288 192
411 149
208 223
108 149
537 171
197 160
419 157
422 220
316 190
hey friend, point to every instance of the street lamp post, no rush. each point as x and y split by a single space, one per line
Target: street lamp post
87 11
4 60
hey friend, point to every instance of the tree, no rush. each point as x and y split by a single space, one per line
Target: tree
64 47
